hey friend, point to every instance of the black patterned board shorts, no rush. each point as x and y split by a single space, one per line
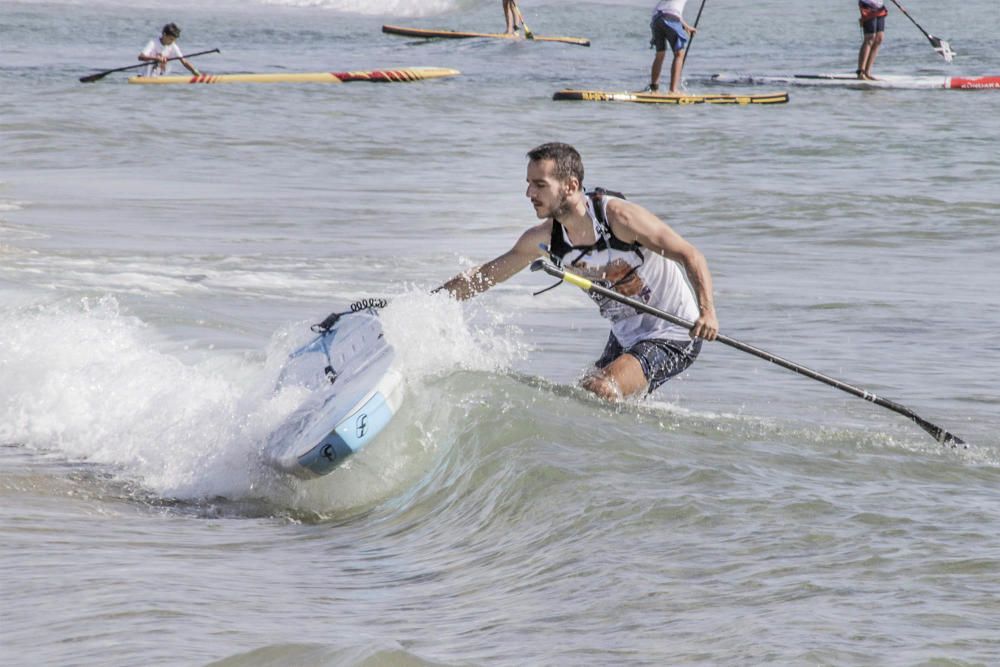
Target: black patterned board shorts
660 358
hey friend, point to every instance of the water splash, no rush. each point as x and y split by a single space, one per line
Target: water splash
96 385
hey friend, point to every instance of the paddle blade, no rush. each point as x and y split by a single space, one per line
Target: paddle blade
527 31
90 78
944 48
939 434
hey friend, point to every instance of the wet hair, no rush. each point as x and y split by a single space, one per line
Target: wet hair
172 30
567 159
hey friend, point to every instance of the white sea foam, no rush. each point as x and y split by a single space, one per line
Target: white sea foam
9 205
95 384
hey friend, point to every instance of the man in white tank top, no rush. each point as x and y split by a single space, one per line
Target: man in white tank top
641 257
668 25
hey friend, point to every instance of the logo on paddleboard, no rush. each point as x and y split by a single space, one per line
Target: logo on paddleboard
361 425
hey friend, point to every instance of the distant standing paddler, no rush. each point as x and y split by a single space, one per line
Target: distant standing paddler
509 17
668 25
873 13
159 51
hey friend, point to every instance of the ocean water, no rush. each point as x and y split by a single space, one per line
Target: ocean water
162 249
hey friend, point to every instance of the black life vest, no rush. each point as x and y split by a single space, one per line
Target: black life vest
559 247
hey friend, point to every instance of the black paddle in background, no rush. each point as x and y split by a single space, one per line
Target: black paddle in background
687 49
939 45
90 78
938 433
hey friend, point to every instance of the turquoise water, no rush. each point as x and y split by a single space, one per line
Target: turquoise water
162 249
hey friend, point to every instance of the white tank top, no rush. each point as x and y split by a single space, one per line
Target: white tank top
673 7
657 281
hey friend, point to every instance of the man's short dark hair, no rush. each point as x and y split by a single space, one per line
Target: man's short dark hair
172 30
567 159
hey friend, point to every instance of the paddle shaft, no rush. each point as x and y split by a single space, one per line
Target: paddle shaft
687 49
907 14
90 78
938 433
941 46
527 31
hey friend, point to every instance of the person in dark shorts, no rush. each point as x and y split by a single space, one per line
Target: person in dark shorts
669 27
873 13
624 247
509 16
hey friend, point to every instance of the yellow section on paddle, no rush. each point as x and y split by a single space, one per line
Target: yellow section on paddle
579 281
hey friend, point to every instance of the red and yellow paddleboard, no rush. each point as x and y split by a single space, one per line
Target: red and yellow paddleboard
455 34
375 76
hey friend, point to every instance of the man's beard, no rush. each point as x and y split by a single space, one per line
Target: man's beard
562 208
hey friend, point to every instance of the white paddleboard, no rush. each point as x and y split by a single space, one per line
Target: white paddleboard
354 393
852 81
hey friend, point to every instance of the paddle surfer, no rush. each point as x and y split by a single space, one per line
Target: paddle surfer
668 25
624 246
509 18
873 13
158 51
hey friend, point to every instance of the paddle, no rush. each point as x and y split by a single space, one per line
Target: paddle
527 31
90 78
939 45
687 49
938 433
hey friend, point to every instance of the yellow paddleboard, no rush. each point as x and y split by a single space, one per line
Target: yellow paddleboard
376 76
455 34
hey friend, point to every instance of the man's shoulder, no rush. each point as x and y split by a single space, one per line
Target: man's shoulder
617 206
543 228
540 233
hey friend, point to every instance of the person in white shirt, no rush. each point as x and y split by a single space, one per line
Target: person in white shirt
159 51
668 25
